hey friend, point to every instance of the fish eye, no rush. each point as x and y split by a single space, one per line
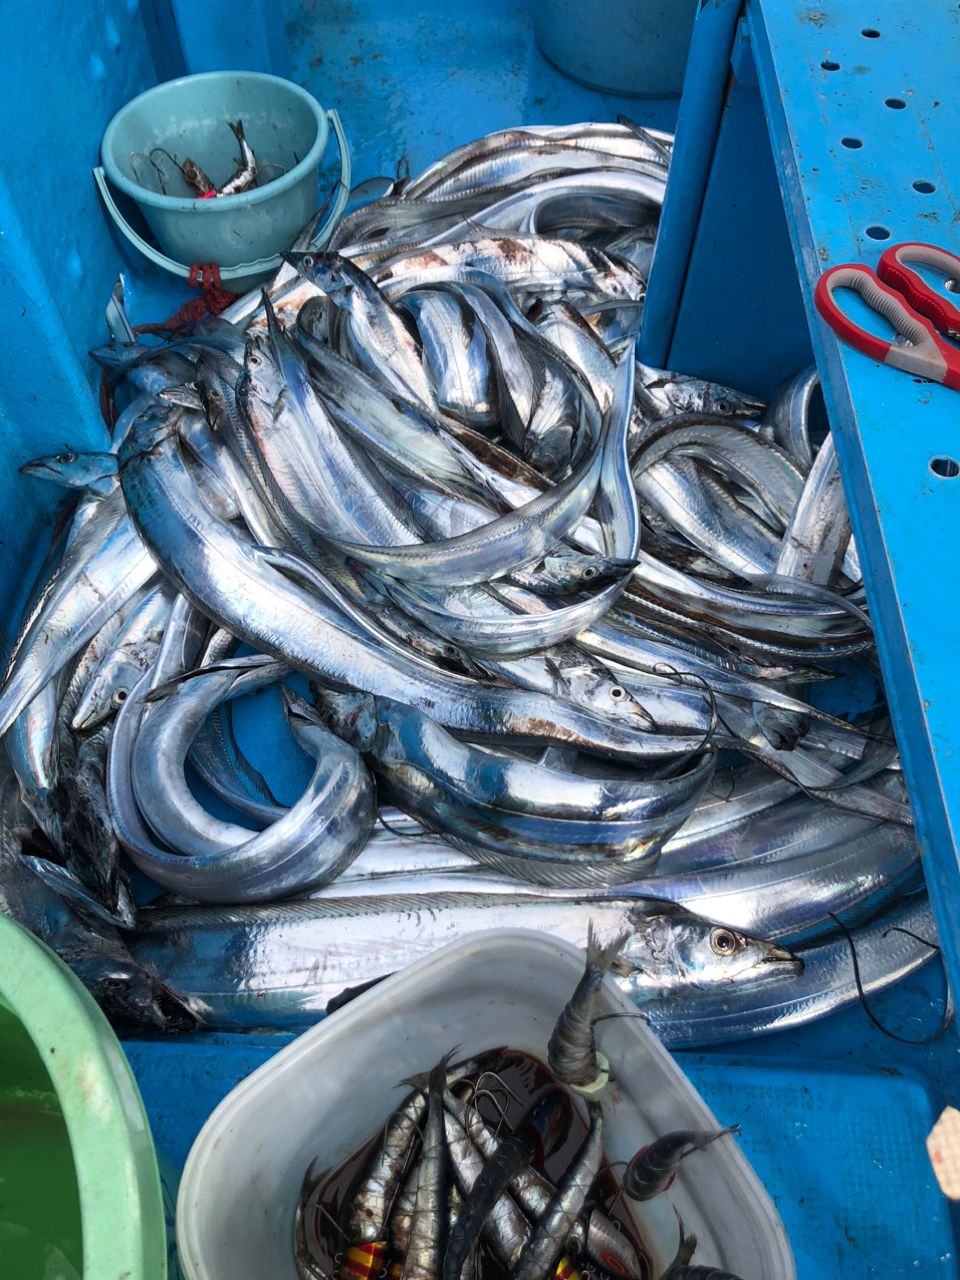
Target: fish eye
65 458
590 571
617 693
254 359
723 406
308 261
725 942
119 697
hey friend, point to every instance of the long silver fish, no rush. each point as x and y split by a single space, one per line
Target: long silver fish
101 571
288 960
549 825
230 579
95 952
310 844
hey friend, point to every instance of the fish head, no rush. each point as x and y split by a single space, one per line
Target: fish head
591 685
261 378
127 993
662 393
670 948
186 396
583 572
729 403
351 716
94 472
216 380
325 270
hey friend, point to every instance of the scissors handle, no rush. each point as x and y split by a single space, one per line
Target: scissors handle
896 268
921 352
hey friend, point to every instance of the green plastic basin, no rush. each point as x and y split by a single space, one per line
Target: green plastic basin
80 1191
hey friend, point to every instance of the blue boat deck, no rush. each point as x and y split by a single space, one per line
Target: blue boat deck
834 1115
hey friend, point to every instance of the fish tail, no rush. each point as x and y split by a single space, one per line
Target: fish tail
237 130
422 1080
603 956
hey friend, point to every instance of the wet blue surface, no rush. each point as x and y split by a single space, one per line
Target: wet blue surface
419 78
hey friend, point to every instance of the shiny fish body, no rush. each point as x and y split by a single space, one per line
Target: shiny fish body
99 574
515 166
286 961
228 578
378 336
455 354
505 1227
818 532
448 783
162 745
744 457
788 415
522 537
566 329
322 477
134 651
552 269
310 844
394 429
549 1236
614 139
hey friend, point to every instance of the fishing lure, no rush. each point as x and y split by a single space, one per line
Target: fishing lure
654 1168
572 1051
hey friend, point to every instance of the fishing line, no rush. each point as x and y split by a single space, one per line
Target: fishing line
680 677
862 995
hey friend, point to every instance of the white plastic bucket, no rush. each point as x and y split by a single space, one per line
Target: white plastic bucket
328 1091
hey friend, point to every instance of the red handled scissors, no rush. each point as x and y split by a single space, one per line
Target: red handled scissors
898 293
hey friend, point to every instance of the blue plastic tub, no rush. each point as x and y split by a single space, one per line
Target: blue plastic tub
834 1115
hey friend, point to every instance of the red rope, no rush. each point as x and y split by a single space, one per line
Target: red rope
212 300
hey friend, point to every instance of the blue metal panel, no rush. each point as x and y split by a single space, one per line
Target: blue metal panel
422 78
66 70
708 70
217 36
741 319
857 120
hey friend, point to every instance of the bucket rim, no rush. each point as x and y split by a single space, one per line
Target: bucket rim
118 1179
186 204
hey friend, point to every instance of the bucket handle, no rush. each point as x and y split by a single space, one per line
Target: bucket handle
242 268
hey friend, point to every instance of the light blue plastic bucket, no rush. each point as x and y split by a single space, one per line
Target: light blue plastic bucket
633 47
188 118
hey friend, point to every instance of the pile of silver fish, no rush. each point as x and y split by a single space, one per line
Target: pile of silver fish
456 1189
543 620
